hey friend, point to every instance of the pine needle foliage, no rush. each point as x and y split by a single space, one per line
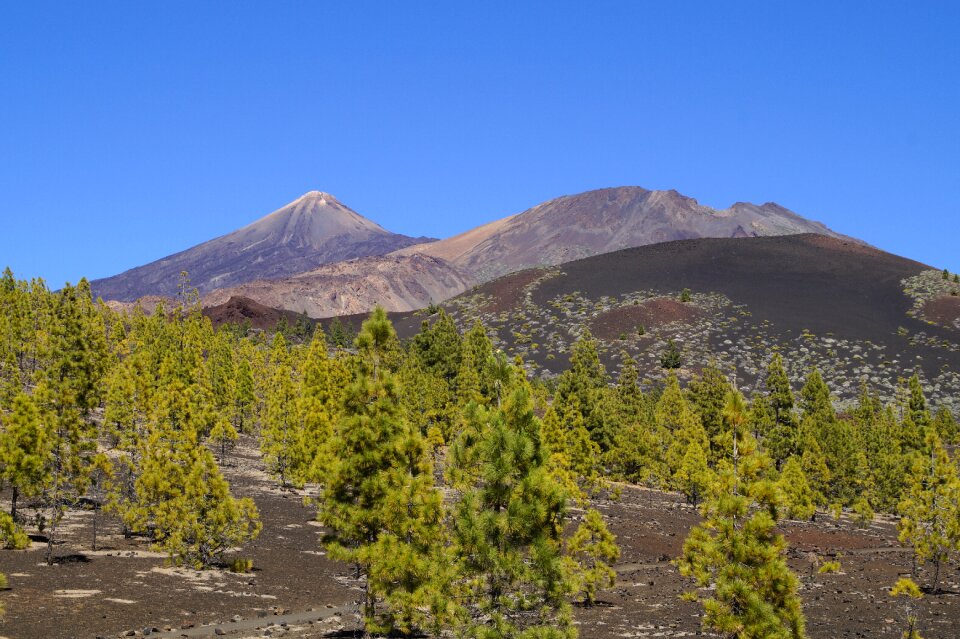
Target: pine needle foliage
737 553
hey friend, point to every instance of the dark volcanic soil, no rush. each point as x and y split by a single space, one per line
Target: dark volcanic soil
651 313
797 282
237 310
944 311
123 587
507 291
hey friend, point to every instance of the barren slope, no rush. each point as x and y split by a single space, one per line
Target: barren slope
605 220
398 283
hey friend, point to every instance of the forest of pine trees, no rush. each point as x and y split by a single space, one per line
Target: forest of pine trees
441 473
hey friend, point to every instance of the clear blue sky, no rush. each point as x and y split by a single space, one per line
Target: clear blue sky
132 130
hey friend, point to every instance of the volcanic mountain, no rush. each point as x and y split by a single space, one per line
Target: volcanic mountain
577 226
313 230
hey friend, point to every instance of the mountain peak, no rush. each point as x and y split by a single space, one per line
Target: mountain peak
317 196
313 230
603 220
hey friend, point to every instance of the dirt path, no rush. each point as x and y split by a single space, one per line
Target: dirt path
287 622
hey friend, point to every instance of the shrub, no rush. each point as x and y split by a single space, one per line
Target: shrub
671 357
241 564
12 536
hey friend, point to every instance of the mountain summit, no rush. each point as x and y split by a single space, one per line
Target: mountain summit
578 226
313 230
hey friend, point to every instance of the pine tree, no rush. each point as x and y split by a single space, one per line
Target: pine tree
68 391
694 476
908 590
945 425
319 400
590 551
762 422
782 439
244 397
440 347
671 358
380 504
630 401
478 347
507 532
554 438
469 384
586 380
634 454
880 434
409 564
835 437
12 536
24 451
192 514
101 474
180 497
930 509
737 553
708 394
223 435
280 440
675 416
799 498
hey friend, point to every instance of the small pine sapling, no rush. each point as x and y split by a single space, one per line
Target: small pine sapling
908 591
591 549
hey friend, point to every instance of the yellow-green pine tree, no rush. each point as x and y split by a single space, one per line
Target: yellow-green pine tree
590 551
736 554
280 440
930 509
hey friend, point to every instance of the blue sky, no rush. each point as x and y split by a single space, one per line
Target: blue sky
133 130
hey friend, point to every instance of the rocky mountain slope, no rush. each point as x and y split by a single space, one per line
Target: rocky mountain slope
398 283
577 226
313 230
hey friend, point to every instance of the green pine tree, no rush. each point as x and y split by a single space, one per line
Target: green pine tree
590 551
507 532
379 504
799 498
930 509
24 451
694 476
737 553
280 440
782 439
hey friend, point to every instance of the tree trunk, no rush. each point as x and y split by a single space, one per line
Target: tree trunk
96 511
13 503
369 608
53 530
936 575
